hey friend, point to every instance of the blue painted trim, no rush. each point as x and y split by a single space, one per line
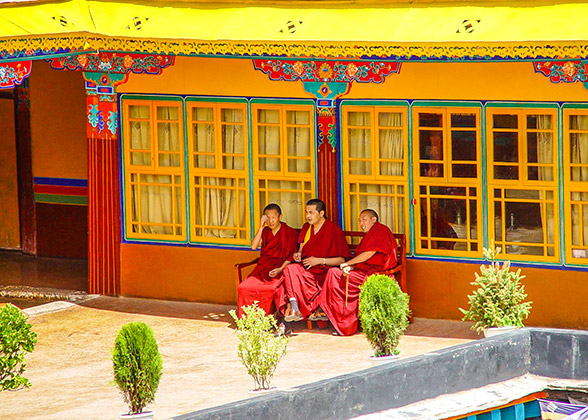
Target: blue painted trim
410 192
250 172
66 182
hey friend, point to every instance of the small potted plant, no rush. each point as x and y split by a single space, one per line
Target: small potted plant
16 339
137 368
384 314
497 304
259 349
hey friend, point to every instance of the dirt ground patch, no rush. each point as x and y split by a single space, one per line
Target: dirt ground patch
71 368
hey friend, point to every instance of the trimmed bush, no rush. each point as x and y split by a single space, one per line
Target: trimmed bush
16 339
137 365
499 295
259 350
383 312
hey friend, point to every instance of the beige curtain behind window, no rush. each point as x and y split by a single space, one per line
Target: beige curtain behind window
579 154
220 205
156 200
545 155
390 209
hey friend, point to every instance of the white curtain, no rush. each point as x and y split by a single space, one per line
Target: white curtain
155 195
579 155
224 206
387 200
545 155
290 195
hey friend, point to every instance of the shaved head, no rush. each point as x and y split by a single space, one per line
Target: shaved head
371 212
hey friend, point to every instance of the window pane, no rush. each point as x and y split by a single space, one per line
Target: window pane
579 148
506 147
463 120
387 200
231 115
505 121
298 117
167 113
202 114
430 120
271 116
431 148
138 112
539 122
233 139
463 145
390 119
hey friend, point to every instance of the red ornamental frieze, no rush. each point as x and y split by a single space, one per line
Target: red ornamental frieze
14 73
120 63
563 71
327 71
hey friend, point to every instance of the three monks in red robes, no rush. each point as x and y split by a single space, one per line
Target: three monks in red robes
339 298
322 245
278 245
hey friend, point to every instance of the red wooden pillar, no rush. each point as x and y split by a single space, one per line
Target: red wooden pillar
26 195
328 173
104 216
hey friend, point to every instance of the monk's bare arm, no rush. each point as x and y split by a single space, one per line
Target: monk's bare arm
257 238
277 271
312 261
364 256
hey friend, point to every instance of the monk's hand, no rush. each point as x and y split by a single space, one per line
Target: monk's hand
311 262
346 268
276 272
297 256
264 220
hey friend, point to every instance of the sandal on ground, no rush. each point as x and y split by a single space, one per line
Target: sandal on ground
293 317
336 334
318 315
283 329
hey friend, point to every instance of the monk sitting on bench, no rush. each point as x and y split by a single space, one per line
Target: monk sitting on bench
278 245
322 245
339 298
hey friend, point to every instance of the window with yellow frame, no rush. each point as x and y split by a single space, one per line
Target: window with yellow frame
522 182
374 140
283 158
218 172
448 183
154 170
576 184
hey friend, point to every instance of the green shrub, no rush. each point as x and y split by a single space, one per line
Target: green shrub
16 339
498 299
259 350
383 312
137 365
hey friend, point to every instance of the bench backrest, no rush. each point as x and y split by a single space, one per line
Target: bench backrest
353 239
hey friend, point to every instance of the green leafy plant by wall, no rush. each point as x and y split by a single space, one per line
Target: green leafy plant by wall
498 300
383 312
16 339
258 348
137 365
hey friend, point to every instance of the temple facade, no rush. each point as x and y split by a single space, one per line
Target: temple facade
148 138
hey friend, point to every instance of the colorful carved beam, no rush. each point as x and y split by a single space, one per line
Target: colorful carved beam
113 63
14 73
327 71
571 71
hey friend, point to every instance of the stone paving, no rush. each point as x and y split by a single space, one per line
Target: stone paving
71 369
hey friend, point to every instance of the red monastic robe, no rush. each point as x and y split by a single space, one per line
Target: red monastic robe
259 286
332 298
305 285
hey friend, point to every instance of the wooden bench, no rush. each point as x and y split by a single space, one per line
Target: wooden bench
353 238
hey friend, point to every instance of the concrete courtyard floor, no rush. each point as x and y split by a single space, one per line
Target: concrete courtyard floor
71 368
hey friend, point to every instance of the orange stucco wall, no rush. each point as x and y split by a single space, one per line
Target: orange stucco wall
213 76
58 123
180 273
9 223
437 289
